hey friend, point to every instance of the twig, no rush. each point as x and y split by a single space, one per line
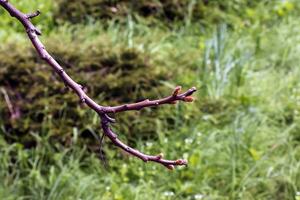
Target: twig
33 15
176 96
14 114
33 34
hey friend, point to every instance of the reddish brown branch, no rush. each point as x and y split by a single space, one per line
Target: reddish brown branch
159 158
176 96
33 33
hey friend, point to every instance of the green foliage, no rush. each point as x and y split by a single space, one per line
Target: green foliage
175 13
187 11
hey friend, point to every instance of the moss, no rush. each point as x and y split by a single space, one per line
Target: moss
111 76
165 10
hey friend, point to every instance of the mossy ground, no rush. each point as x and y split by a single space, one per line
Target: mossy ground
241 136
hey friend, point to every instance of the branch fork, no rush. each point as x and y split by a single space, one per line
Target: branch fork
103 111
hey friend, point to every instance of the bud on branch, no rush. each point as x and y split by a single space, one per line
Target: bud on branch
176 91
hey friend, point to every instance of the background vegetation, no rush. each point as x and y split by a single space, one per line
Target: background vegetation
241 137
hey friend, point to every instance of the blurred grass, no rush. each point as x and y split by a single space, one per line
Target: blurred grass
241 136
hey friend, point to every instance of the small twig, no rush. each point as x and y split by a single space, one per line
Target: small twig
176 96
103 111
101 144
14 114
33 15
158 158
101 141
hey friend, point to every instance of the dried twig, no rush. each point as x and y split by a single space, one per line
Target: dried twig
103 111
14 112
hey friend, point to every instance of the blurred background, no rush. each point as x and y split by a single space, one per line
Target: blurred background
241 136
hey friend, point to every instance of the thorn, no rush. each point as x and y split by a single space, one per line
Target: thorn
176 91
188 99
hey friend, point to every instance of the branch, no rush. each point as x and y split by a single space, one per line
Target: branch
33 34
176 96
105 121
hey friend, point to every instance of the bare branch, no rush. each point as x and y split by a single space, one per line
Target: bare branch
158 158
33 33
176 96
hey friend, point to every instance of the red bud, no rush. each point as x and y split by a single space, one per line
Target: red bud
176 91
170 167
188 99
181 162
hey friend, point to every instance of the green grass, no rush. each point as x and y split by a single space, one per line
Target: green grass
241 137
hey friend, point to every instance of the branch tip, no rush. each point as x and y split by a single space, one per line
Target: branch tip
181 162
191 91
